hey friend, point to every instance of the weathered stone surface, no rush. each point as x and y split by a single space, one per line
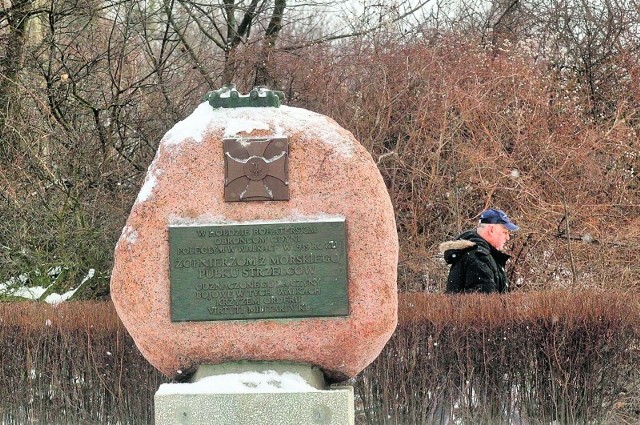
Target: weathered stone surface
330 175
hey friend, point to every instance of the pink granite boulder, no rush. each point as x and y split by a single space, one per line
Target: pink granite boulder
330 175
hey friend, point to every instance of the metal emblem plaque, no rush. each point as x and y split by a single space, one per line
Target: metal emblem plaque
256 169
258 271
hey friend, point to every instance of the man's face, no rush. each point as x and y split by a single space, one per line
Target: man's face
498 236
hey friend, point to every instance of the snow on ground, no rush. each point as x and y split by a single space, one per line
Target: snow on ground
12 288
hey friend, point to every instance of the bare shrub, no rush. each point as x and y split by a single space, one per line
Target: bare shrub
72 364
456 128
533 358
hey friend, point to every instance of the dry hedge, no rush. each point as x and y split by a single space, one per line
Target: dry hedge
456 128
71 364
534 358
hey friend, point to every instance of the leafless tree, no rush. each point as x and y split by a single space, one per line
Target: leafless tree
97 83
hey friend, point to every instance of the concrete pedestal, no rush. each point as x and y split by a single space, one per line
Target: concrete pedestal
255 393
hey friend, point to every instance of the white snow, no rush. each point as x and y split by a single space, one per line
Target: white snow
236 126
149 184
57 298
36 292
31 293
245 382
55 271
194 126
23 278
295 217
129 235
235 121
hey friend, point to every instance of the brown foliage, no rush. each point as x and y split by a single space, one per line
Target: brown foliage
455 129
454 125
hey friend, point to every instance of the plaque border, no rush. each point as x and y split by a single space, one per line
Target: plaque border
343 310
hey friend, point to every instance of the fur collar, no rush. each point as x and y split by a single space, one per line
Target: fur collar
457 244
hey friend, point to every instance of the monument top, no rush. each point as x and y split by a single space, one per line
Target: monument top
229 97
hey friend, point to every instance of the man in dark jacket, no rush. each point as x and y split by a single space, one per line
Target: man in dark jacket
476 257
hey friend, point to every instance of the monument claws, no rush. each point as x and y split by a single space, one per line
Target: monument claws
229 97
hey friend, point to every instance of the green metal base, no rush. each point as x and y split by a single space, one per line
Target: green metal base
229 97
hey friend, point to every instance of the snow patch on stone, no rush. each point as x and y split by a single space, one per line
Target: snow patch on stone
150 182
208 220
319 127
193 127
235 126
247 382
129 235
282 121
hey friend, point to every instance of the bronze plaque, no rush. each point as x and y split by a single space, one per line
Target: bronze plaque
256 169
258 271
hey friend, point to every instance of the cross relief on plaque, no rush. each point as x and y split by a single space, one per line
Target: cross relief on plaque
256 169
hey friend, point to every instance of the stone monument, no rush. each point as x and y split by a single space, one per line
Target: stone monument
258 264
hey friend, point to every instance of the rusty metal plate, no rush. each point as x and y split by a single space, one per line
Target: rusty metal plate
256 169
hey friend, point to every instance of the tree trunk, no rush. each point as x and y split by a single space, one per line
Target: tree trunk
263 76
11 65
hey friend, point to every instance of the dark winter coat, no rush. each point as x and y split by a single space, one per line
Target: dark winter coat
476 266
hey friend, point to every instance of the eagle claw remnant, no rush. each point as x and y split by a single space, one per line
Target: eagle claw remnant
229 97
